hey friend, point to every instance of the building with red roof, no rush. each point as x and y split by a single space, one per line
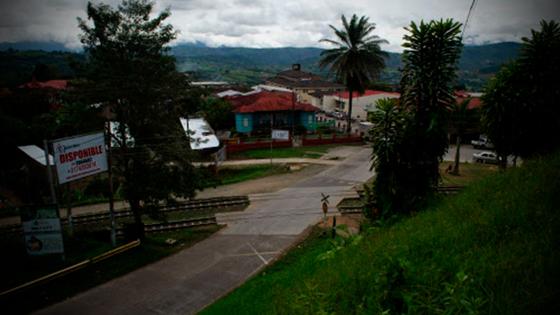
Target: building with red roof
51 84
475 101
256 111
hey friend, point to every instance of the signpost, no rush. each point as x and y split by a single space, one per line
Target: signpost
278 134
325 206
42 230
80 156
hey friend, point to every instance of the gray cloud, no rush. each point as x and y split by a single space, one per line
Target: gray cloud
273 23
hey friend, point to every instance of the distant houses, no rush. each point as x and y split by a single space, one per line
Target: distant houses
303 83
305 98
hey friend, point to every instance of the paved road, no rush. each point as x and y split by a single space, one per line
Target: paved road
227 190
186 282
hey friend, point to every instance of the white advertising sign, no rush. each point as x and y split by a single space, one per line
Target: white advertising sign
79 157
280 134
42 230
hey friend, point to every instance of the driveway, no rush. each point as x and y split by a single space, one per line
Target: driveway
189 280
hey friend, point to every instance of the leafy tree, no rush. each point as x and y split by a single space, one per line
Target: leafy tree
218 113
539 65
357 60
521 110
459 119
429 69
387 134
407 158
129 70
503 101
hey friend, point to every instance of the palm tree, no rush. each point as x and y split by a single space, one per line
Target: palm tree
357 60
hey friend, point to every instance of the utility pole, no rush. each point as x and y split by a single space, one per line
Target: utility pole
271 137
49 171
293 112
111 198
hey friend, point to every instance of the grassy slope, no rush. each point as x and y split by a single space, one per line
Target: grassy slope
492 249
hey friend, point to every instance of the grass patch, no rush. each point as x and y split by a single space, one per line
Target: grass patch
468 172
17 268
232 175
491 249
313 152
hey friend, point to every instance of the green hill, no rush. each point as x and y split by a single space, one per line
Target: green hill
493 249
247 65
251 65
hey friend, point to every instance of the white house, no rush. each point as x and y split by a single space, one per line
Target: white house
361 103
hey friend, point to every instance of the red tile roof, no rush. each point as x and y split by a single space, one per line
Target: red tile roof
51 84
268 101
345 94
475 102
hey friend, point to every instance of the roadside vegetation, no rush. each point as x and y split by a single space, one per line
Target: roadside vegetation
18 268
491 249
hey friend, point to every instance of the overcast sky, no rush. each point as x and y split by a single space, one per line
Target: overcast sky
280 23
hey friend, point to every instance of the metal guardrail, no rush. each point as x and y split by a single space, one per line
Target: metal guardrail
174 225
72 268
180 206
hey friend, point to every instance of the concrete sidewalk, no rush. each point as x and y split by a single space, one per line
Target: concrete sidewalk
186 282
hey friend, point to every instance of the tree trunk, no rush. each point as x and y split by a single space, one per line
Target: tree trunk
457 156
349 123
502 161
138 224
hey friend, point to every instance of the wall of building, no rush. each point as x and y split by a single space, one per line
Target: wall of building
244 122
362 105
308 120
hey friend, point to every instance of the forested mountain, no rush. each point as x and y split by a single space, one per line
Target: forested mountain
243 65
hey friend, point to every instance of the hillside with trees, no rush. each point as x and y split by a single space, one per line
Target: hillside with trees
251 65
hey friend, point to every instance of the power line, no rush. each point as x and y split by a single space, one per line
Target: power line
473 3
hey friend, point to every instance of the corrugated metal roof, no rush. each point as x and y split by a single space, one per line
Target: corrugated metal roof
36 154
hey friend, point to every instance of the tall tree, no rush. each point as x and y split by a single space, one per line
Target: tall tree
502 120
357 59
521 104
431 52
459 119
539 65
387 135
130 71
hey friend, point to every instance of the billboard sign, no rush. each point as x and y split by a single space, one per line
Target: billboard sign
280 134
42 230
80 156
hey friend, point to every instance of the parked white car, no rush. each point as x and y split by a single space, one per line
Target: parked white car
486 157
482 143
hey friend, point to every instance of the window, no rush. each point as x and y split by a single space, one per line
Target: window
310 119
245 122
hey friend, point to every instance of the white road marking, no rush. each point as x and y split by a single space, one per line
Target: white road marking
257 253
